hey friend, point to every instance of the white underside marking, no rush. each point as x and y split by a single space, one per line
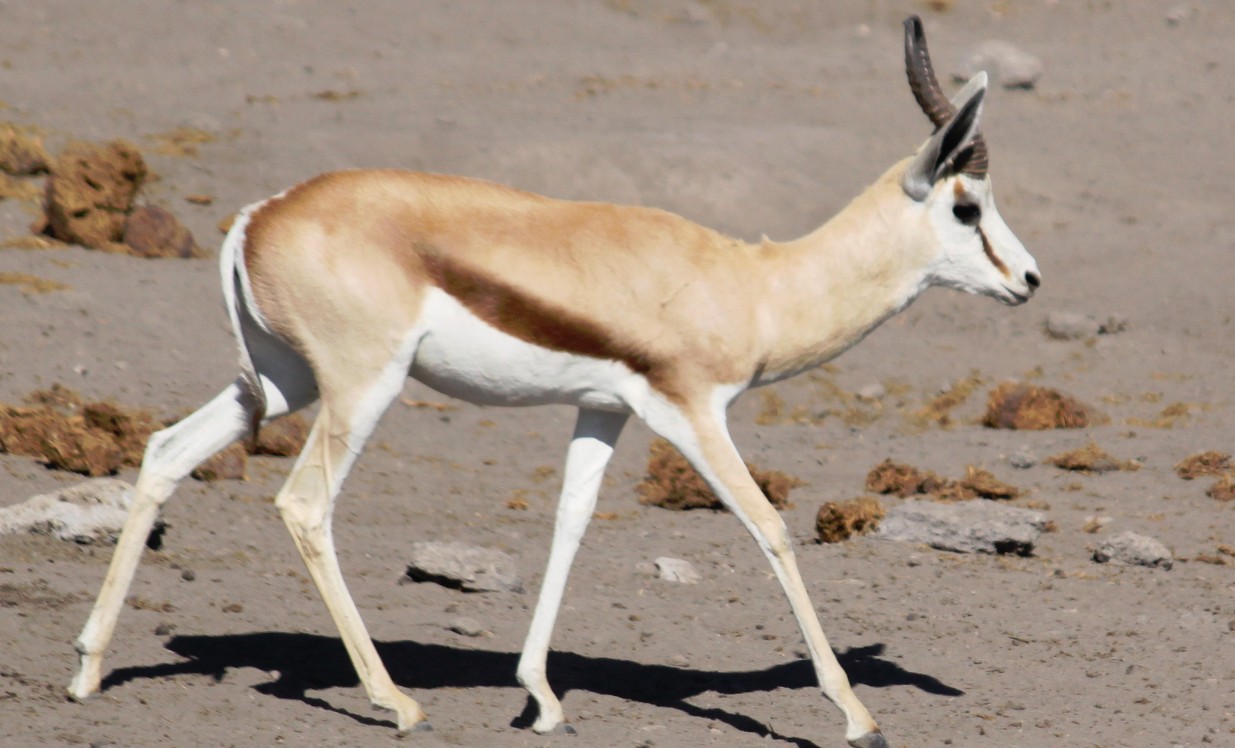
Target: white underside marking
463 356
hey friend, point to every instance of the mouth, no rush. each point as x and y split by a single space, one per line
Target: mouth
1013 298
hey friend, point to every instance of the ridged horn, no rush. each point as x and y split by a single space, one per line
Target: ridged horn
929 95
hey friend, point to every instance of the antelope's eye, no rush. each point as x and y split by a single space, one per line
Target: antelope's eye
967 213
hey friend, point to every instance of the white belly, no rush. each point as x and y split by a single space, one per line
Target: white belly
462 356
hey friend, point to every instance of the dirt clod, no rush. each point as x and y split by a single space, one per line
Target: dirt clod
90 190
151 231
671 483
284 437
1016 405
841 520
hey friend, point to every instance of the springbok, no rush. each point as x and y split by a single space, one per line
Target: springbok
344 286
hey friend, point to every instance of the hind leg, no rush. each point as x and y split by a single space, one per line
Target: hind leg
306 502
170 455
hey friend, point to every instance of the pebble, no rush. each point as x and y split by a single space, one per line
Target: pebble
1134 549
466 626
677 570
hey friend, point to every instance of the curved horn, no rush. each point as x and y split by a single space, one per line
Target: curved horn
929 95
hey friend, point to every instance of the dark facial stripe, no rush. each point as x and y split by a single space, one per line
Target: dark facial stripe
529 319
990 254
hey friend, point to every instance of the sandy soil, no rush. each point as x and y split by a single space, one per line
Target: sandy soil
749 117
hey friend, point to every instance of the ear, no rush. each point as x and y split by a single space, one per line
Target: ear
934 159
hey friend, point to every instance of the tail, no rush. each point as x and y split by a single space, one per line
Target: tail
238 296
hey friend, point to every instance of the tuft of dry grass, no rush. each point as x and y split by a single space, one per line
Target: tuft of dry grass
939 410
841 520
31 283
671 483
1016 405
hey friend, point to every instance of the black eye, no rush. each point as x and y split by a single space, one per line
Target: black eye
967 213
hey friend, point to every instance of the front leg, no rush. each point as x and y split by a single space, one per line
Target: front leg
590 449
698 431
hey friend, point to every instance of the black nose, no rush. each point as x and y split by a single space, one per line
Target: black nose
1032 279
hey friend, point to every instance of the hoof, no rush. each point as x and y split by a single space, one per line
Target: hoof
563 729
870 740
422 727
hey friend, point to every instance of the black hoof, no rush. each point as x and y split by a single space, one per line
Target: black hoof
563 729
870 740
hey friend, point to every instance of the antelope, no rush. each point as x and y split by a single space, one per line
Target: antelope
344 286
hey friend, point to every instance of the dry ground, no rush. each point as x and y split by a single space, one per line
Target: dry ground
750 117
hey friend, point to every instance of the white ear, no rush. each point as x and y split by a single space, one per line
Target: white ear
935 157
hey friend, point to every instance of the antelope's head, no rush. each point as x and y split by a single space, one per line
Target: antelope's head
974 250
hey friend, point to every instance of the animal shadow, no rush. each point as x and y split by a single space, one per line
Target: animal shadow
301 663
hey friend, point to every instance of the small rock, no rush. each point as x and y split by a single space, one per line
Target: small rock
1022 460
677 570
965 527
1179 13
188 575
873 392
90 512
466 626
1114 323
1134 549
1007 64
151 231
464 567
1071 326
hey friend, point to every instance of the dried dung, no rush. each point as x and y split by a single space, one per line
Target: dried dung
890 477
21 151
1203 463
1091 459
1223 490
841 520
282 438
230 464
939 409
1015 405
151 231
65 433
983 484
90 190
672 483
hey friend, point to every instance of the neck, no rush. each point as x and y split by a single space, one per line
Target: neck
829 289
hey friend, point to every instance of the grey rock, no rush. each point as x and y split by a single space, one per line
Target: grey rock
1022 460
677 570
464 567
1134 549
965 527
89 512
466 626
1007 64
1071 326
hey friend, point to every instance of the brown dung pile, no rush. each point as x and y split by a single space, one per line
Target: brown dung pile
1203 463
671 483
1091 459
66 433
90 191
1015 405
841 520
904 480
